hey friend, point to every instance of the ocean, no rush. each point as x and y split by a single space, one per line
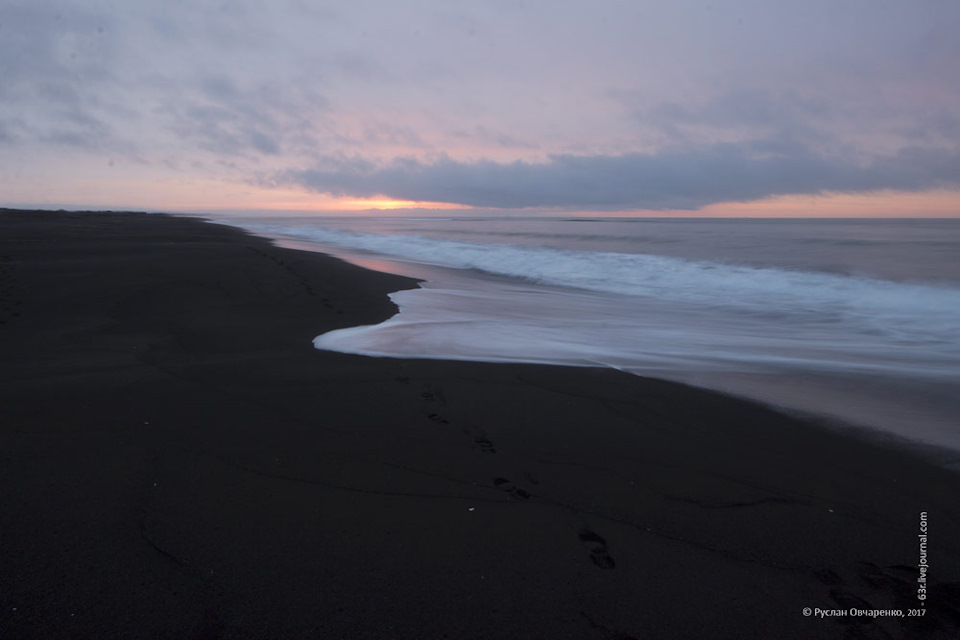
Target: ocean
853 320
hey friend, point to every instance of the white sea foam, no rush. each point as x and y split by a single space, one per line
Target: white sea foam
865 349
904 312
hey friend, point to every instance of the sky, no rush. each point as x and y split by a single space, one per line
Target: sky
736 107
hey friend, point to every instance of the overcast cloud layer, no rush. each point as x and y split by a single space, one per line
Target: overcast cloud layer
606 104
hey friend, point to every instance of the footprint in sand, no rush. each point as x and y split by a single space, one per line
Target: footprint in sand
511 489
482 444
597 547
828 577
439 419
433 398
432 395
865 585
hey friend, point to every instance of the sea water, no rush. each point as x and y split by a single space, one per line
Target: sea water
851 319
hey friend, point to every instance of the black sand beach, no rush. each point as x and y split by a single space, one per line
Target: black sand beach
177 461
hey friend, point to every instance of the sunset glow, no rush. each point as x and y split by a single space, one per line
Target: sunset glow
656 110
387 204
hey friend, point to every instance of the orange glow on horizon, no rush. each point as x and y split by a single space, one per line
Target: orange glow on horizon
880 204
385 203
223 196
884 204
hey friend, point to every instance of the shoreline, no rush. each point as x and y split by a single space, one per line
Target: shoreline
918 413
180 462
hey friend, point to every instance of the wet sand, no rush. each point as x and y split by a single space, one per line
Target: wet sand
179 462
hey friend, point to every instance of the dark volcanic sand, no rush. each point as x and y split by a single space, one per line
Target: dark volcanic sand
177 461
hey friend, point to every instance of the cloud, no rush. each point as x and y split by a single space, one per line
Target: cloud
149 83
612 104
226 126
50 61
677 179
482 135
746 112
